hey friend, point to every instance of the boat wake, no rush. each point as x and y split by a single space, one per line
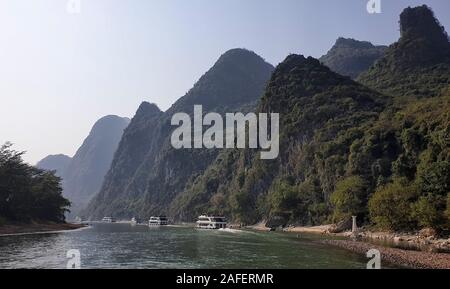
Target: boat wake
228 230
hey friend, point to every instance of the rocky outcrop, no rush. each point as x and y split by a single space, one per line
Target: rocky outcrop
340 227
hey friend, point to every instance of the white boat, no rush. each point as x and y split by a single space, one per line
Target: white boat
108 220
133 221
211 222
158 221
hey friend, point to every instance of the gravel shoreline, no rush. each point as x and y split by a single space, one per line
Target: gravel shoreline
400 257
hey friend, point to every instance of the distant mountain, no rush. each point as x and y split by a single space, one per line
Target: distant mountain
56 163
351 57
140 140
418 65
83 174
147 173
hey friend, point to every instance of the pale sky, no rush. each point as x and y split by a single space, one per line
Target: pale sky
60 72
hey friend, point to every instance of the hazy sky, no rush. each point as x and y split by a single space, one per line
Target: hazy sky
60 72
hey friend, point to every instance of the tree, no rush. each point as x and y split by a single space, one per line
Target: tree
283 197
349 198
434 178
28 193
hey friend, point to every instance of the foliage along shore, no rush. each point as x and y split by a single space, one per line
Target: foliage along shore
31 199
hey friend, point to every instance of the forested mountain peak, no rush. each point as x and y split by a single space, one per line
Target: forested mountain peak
351 57
419 24
230 82
418 65
352 43
147 108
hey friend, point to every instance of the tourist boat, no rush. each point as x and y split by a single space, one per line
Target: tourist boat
108 220
211 222
158 221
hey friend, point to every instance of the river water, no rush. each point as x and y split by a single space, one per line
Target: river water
125 246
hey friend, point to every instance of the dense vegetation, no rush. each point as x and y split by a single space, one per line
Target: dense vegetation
351 57
322 113
28 193
419 185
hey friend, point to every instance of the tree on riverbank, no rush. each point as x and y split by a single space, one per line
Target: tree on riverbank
28 193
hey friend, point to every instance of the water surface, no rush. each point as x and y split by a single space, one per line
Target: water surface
126 246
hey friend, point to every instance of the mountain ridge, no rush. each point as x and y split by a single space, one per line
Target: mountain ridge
238 183
233 83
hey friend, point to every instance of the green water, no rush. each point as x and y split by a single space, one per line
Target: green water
125 246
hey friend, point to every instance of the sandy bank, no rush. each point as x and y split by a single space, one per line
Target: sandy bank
314 230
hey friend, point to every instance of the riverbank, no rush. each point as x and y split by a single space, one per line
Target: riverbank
425 240
400 257
30 228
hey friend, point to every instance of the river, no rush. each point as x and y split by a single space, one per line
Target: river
124 246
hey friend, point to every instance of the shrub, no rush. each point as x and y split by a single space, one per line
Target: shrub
426 211
390 206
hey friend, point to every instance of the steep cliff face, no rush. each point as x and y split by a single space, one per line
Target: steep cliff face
84 174
158 172
418 65
139 139
351 57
